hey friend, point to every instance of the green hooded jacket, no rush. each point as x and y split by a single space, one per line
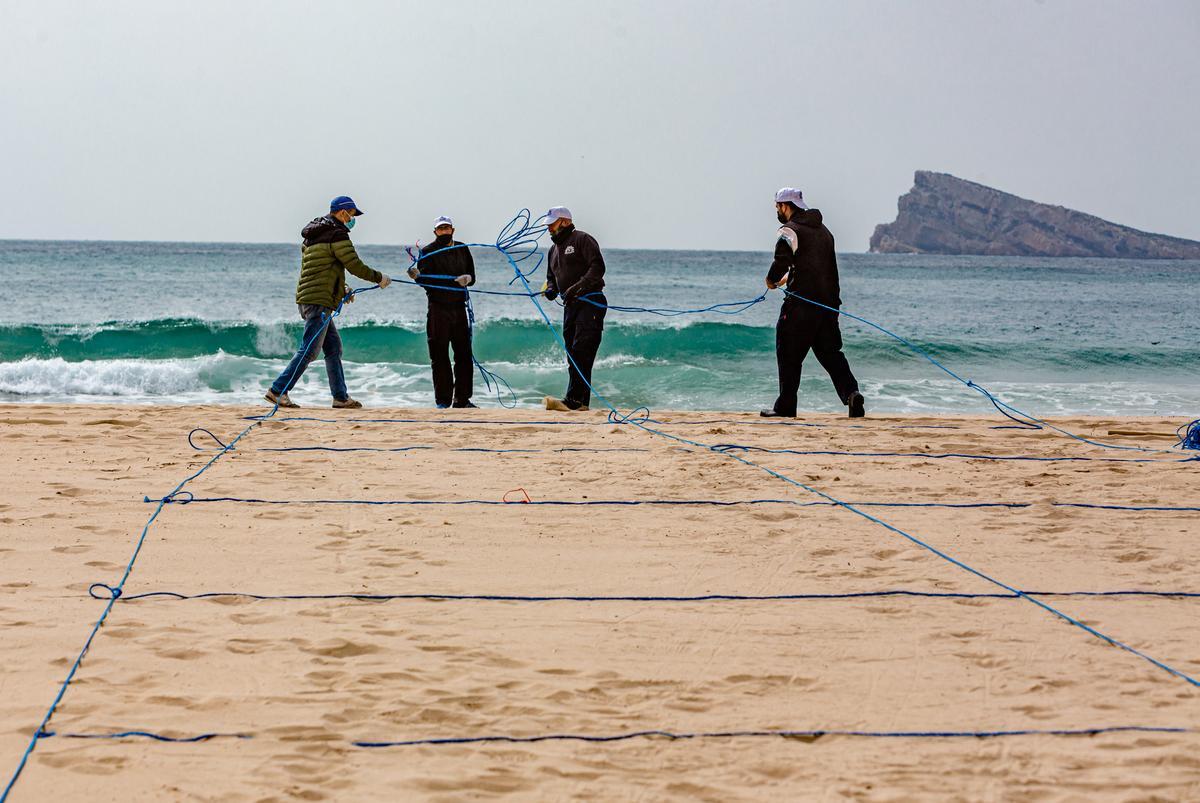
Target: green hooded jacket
326 255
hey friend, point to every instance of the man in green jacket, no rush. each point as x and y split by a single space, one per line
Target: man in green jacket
327 254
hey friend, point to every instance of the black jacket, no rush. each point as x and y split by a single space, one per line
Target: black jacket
805 252
451 263
576 266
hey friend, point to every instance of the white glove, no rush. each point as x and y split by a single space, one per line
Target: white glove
385 281
463 280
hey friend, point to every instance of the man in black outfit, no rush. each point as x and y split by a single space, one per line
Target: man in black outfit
575 268
805 259
446 323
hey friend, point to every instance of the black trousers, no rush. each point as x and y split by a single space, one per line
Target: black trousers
446 327
583 326
799 331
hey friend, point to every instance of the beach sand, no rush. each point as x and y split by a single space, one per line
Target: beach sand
307 678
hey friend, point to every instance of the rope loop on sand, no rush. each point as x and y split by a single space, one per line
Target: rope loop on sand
638 415
112 593
521 491
220 443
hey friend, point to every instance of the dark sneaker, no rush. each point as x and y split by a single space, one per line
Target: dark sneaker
280 400
773 414
857 405
466 405
441 406
347 404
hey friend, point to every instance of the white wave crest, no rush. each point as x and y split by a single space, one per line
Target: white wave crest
57 378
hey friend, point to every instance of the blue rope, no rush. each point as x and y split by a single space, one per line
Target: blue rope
633 418
460 449
158 737
1189 436
784 734
1023 420
1127 507
115 592
800 735
186 498
725 308
518 241
491 380
174 595
1026 420
737 447
755 421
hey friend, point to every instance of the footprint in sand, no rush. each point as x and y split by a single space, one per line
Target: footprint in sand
340 648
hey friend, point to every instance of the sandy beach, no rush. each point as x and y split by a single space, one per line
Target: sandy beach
307 679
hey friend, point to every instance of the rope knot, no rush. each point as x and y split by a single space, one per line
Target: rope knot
113 593
638 415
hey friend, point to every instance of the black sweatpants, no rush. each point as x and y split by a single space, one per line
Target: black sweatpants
796 333
446 326
583 326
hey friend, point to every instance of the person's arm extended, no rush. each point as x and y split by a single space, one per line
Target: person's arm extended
783 258
470 264
593 277
345 253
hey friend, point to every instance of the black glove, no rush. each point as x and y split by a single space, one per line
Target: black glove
571 293
550 294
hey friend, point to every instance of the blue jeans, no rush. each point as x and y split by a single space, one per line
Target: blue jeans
319 334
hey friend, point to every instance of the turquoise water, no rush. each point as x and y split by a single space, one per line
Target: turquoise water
178 322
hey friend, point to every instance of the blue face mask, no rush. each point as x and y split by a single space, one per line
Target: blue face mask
350 223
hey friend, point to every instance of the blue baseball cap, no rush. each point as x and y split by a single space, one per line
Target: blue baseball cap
344 202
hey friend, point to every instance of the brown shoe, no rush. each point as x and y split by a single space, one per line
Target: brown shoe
281 400
347 404
561 406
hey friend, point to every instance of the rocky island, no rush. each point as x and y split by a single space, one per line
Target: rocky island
943 214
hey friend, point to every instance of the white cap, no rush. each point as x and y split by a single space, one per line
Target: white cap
443 221
557 213
791 195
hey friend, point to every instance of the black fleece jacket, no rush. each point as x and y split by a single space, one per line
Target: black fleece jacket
451 263
576 266
805 252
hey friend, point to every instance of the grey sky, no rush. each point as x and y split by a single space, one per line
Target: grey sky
661 124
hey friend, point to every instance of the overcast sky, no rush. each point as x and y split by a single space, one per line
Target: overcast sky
662 124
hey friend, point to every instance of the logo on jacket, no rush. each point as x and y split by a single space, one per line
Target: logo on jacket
569 250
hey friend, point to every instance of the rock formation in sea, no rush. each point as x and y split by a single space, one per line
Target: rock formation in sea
943 214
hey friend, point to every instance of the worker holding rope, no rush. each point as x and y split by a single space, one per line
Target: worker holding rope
575 268
447 324
326 255
806 264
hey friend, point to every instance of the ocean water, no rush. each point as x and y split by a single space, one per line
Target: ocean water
186 323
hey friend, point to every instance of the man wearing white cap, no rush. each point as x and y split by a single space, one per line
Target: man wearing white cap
805 261
575 268
447 324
